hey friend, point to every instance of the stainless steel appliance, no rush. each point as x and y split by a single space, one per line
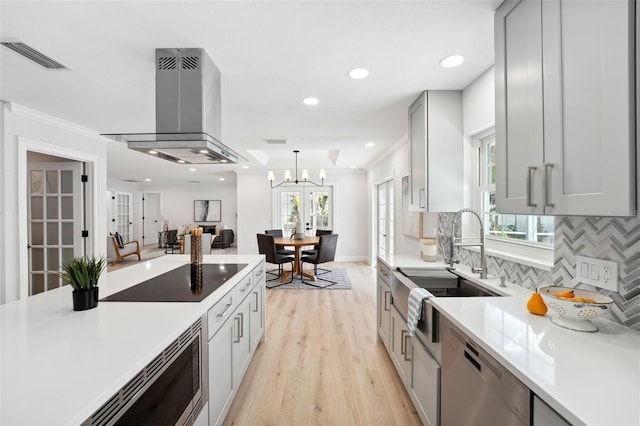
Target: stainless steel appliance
476 389
170 390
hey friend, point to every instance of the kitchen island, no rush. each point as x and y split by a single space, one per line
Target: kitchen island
588 378
59 366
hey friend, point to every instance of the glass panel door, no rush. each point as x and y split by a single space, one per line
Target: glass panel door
385 218
54 209
124 223
316 212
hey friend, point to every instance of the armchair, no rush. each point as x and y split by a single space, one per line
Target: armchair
117 253
224 240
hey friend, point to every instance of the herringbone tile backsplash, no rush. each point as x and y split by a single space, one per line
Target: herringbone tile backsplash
616 239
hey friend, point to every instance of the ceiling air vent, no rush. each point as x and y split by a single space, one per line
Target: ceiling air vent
276 141
32 54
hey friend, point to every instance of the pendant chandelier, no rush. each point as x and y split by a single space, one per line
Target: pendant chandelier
304 178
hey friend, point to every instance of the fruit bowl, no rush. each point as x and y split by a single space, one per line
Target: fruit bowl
575 313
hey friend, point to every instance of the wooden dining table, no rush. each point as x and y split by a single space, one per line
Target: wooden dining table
297 244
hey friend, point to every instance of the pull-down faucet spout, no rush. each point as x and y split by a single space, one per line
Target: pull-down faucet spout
458 242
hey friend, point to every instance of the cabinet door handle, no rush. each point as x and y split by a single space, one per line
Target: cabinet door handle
421 193
225 311
530 171
256 308
547 180
241 324
406 347
386 301
402 342
238 328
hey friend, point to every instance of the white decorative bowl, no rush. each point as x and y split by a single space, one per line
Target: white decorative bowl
575 315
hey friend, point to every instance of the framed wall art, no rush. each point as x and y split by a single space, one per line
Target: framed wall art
206 210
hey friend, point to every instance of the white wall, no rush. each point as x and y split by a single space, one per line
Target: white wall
24 129
478 114
393 164
255 201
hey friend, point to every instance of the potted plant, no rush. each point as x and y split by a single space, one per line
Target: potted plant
83 274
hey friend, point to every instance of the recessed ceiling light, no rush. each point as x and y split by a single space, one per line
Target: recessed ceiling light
153 152
223 161
204 151
221 179
181 161
311 101
452 61
147 180
358 73
353 166
192 169
369 144
245 167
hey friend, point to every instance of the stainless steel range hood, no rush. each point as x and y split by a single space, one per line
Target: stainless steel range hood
188 113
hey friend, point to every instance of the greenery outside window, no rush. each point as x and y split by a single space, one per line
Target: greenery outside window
538 230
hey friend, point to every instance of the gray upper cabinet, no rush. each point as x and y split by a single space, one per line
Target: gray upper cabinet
565 107
436 151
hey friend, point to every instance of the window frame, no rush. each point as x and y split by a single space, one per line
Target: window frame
538 255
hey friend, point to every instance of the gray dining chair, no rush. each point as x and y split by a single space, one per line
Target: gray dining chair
267 247
277 233
326 253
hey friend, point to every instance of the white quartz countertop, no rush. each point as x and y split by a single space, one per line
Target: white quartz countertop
395 261
58 366
589 378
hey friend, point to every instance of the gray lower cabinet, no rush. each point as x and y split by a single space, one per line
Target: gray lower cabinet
424 383
236 326
399 344
384 312
543 415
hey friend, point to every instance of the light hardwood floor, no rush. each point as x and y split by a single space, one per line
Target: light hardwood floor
322 363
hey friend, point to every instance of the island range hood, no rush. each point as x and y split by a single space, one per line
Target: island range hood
188 112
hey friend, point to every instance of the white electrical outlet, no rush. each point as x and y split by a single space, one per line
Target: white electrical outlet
596 272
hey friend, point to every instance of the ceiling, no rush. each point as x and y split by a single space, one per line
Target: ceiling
271 54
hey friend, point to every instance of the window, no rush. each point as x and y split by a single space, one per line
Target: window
535 229
310 205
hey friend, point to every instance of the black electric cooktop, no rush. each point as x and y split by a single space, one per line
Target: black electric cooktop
187 283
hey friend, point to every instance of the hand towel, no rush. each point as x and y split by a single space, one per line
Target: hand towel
416 296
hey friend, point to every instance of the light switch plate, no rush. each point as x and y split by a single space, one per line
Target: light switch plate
596 272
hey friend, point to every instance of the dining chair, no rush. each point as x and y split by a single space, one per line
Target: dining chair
314 250
326 253
278 233
267 247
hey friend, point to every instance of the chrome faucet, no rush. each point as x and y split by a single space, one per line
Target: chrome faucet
458 242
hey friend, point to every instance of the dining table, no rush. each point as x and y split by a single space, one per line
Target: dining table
297 244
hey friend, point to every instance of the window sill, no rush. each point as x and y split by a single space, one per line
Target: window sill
519 252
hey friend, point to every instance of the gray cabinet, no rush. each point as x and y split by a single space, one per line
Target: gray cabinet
236 325
399 346
384 304
565 96
436 151
424 383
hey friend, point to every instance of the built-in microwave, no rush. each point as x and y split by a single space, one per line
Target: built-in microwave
170 390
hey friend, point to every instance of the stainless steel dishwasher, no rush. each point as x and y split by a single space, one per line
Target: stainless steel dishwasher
476 389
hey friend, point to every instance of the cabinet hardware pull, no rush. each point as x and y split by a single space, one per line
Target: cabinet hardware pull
547 180
241 324
530 171
256 308
402 341
225 311
406 347
420 196
238 333
386 303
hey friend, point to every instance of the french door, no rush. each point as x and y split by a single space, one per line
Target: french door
312 205
385 218
55 210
